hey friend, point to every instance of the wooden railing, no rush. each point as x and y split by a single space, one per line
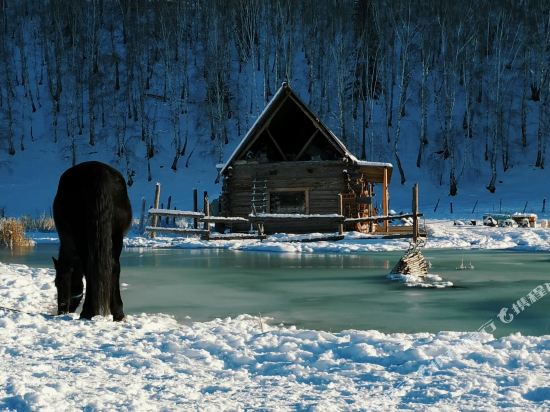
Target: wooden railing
263 219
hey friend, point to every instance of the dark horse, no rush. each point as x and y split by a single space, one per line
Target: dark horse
92 213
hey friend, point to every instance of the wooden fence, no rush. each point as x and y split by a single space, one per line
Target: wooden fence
260 220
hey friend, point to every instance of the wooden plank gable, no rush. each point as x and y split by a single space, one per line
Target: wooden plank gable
287 131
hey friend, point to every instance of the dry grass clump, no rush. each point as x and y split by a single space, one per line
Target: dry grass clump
42 223
12 234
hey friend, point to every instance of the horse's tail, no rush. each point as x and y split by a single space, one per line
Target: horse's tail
99 270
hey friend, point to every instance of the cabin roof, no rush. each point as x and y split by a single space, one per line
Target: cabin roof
285 96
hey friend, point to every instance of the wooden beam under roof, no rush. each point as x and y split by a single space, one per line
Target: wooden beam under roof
307 144
276 144
316 122
266 124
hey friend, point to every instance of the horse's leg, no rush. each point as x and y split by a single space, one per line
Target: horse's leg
87 309
87 306
77 288
116 300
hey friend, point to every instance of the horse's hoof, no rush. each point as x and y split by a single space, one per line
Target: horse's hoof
118 317
85 316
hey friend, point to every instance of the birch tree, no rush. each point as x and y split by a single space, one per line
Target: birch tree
505 47
541 80
405 34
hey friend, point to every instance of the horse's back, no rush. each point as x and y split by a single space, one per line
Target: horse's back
79 188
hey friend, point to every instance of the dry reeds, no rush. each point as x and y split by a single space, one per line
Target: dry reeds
42 223
12 234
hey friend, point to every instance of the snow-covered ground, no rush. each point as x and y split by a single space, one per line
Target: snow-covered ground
441 234
152 362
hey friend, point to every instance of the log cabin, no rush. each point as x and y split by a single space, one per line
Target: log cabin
290 163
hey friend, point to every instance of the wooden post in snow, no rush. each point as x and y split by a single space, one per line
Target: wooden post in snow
415 212
142 217
206 211
385 199
195 207
156 206
168 205
341 211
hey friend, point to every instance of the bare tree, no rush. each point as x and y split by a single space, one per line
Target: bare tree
505 47
52 49
426 53
217 80
10 94
247 38
340 47
405 32
541 82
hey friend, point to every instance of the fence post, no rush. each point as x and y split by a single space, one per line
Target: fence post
341 211
206 211
155 206
385 203
142 217
168 205
195 207
415 211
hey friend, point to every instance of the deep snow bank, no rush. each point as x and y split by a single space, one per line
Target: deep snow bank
151 362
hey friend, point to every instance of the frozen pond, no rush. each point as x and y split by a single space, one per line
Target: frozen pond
330 292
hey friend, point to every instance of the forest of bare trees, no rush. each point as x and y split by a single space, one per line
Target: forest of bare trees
461 88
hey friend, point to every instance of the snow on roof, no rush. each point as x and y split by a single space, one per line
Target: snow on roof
368 163
261 118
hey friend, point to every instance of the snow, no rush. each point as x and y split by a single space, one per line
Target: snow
170 212
152 362
299 216
414 281
442 234
358 162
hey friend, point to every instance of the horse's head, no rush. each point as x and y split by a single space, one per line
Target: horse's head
63 277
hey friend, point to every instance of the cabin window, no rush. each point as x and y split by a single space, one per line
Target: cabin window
289 201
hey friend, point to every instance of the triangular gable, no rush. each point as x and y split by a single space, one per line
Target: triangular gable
285 131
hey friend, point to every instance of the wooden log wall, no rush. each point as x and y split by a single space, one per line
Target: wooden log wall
323 181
